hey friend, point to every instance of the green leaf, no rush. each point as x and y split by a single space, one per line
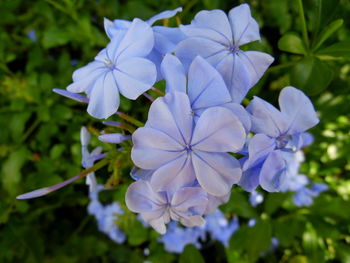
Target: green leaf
259 239
191 255
291 42
274 201
55 37
340 49
327 32
238 204
11 169
311 75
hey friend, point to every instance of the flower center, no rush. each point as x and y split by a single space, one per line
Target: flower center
282 141
188 148
232 48
109 64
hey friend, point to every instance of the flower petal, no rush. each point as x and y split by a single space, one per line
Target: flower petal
298 109
216 172
206 88
153 148
166 38
266 118
218 130
140 197
132 45
104 97
235 75
250 178
212 24
172 115
240 112
163 15
259 148
174 74
173 175
245 28
210 50
256 64
135 76
273 172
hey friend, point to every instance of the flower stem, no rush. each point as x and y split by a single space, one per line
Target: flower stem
129 119
303 24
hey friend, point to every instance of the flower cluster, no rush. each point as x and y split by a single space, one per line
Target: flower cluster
185 155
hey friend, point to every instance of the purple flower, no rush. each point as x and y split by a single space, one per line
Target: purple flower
256 198
186 205
181 152
120 67
304 196
277 132
217 38
165 38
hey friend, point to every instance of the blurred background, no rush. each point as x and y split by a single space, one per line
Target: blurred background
43 41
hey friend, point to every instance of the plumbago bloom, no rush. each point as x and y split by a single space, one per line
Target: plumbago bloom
119 68
184 156
277 133
217 38
165 38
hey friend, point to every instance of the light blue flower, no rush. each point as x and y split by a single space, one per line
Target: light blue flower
176 237
256 198
277 132
115 138
217 38
32 35
88 158
203 85
304 196
186 205
165 38
119 68
220 228
182 153
106 216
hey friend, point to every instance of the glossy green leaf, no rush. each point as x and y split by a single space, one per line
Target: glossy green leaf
340 50
311 75
291 42
327 32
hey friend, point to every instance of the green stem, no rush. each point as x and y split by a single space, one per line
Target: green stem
303 24
130 119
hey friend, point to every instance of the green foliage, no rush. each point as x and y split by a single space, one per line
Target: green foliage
40 146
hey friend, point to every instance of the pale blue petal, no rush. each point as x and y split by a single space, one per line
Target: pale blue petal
273 172
167 38
298 110
71 95
172 115
173 175
190 198
156 58
210 50
240 113
266 118
245 28
116 28
104 97
164 15
256 64
140 198
218 130
250 178
216 172
141 174
212 24
259 148
132 45
114 138
153 148
206 88
84 77
135 76
235 75
215 201
174 74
